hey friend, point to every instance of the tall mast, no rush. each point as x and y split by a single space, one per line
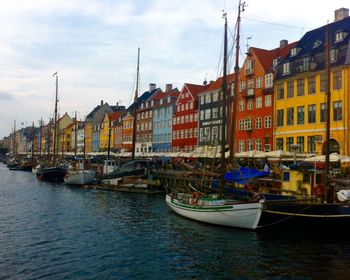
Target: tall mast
328 96
224 99
135 102
75 135
55 122
235 90
109 135
40 136
33 142
14 139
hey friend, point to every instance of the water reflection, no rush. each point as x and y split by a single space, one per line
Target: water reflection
55 232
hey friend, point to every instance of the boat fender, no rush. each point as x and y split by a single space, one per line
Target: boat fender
319 190
195 197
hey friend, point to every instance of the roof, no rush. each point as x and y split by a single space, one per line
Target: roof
312 46
218 83
145 96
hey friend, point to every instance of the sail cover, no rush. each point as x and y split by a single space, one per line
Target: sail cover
243 175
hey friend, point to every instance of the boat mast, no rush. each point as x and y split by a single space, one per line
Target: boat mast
40 136
75 135
232 141
224 99
135 103
55 121
109 135
14 139
33 142
328 96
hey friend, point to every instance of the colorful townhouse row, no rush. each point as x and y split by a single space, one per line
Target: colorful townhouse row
281 105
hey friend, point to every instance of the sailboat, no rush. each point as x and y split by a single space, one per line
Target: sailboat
216 208
80 176
316 204
53 173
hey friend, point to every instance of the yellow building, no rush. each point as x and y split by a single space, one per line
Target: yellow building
104 133
300 108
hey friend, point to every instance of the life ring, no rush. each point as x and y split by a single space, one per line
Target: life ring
195 197
319 190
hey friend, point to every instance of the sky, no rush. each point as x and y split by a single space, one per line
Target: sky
92 45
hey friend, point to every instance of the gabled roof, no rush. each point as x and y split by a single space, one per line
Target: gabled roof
217 85
145 96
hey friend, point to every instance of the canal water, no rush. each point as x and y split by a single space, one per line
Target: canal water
51 231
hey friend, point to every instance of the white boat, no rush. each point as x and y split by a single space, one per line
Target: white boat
210 209
80 177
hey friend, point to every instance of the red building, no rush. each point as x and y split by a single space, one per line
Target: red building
255 98
185 120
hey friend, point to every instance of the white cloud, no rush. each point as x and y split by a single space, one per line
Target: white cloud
93 45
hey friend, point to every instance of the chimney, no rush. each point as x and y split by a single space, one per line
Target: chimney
283 43
101 102
152 87
168 87
341 14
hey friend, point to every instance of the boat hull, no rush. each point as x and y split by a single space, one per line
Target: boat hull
303 215
82 177
241 215
52 174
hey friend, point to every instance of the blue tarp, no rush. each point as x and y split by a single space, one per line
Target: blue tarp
243 175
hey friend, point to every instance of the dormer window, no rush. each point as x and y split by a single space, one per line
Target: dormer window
161 102
316 44
274 62
294 51
169 99
339 36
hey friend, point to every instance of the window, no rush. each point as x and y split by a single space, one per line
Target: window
268 99
269 80
258 123
250 83
334 55
301 115
202 115
311 82
207 114
242 86
279 144
339 36
311 113
316 44
290 89
258 145
300 87
191 105
323 112
268 122
250 144
323 82
286 69
215 96
215 112
241 124
337 80
311 144
289 143
207 98
306 63
250 104
241 105
280 117
337 111
290 116
258 82
300 142
248 124
202 99
241 146
258 102
280 92
293 51
249 66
